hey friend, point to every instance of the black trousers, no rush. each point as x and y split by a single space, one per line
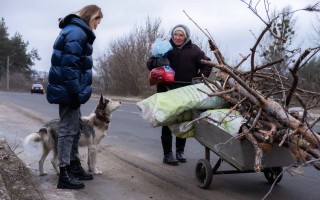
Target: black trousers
166 136
166 139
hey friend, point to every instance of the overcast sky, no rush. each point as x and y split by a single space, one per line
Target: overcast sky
228 21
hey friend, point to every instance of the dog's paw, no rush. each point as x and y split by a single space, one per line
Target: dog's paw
97 172
43 173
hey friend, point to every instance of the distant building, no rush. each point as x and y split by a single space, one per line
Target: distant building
40 76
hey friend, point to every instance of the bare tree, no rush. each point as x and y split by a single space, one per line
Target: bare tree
274 48
310 74
17 82
316 31
123 68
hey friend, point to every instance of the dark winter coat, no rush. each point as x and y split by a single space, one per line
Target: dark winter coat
70 75
186 62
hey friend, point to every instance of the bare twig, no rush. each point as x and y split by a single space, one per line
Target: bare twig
295 77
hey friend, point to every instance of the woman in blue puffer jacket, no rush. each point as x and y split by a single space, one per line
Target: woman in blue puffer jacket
70 79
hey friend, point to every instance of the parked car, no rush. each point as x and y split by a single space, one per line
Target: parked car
37 88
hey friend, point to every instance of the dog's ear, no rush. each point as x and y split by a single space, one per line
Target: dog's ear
43 130
101 99
103 102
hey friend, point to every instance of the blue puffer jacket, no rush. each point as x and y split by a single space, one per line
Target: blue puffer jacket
70 75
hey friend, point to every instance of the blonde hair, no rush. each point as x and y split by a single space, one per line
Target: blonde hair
89 13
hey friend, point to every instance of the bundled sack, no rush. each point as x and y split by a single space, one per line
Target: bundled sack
164 74
226 119
232 120
174 106
161 74
183 129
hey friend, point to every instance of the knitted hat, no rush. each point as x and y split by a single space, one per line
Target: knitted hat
184 29
180 28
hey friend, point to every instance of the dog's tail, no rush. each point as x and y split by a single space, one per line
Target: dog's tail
36 137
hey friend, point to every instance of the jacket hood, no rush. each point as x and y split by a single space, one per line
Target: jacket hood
187 31
67 20
76 20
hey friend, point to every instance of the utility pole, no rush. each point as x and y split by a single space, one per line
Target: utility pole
8 73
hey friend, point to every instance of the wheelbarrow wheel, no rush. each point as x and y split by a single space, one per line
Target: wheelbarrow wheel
204 173
272 174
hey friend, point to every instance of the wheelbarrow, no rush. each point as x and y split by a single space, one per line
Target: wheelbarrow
239 154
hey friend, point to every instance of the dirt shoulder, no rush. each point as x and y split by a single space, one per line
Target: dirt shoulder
16 180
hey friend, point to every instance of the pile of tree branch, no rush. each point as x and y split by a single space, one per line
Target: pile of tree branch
264 97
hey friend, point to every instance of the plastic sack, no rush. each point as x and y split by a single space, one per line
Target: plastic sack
166 108
164 74
183 129
232 121
160 47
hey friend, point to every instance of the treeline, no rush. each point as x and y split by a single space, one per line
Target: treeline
14 50
121 69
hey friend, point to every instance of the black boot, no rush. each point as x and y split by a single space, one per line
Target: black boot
78 172
167 152
169 159
180 144
180 157
67 181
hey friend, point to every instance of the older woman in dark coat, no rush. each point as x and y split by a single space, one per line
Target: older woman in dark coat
185 59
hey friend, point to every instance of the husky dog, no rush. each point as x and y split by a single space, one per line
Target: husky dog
93 129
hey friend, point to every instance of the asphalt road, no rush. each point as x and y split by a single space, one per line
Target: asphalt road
132 142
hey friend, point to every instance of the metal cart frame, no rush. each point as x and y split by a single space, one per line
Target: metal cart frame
238 153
